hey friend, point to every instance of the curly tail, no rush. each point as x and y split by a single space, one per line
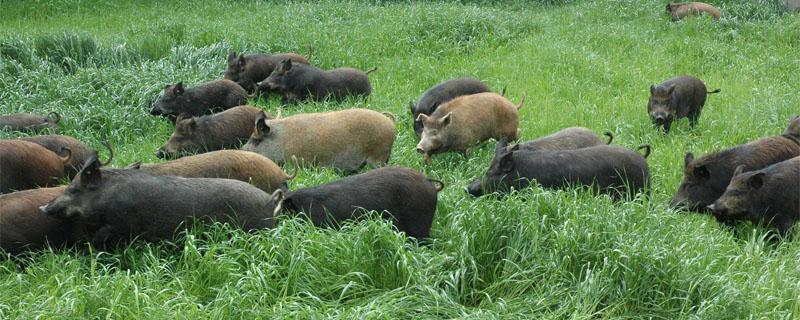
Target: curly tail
715 91
390 116
371 70
296 168
439 182
110 153
609 135
646 148
54 117
521 102
310 51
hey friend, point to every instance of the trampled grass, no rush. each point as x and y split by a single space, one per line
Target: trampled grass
534 254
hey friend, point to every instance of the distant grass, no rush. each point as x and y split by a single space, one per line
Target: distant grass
534 254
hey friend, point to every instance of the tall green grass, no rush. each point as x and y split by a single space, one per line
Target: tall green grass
533 254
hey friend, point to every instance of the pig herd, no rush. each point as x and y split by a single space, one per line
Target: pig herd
225 161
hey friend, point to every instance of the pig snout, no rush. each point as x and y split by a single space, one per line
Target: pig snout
717 209
420 149
474 189
156 111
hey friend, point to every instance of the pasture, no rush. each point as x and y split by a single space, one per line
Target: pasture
534 254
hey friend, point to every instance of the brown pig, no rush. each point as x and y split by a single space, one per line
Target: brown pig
80 152
466 121
770 195
245 166
678 11
27 122
26 165
706 178
224 130
24 227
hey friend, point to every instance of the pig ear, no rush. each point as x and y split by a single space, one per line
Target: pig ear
688 159
178 88
411 106
738 170
241 60
507 162
501 145
90 173
287 64
422 117
191 125
446 119
669 91
231 56
756 180
262 127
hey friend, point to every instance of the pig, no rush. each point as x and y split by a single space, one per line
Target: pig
299 82
442 93
23 227
793 130
79 151
466 121
706 178
345 140
31 123
677 98
567 139
678 11
121 204
225 130
770 195
231 164
26 165
402 195
247 70
202 99
608 169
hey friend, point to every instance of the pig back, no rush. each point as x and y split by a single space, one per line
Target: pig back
478 117
25 165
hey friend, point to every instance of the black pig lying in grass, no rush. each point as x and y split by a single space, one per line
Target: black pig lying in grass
205 98
402 195
299 82
770 195
676 98
706 178
608 169
441 93
124 203
247 70
26 122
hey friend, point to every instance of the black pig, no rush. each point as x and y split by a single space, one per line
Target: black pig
677 98
402 195
247 70
300 82
205 98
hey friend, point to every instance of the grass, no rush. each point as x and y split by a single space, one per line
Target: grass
534 254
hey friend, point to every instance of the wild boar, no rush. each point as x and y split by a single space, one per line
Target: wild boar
230 164
79 151
247 70
608 169
678 11
122 204
299 82
677 98
567 139
442 93
466 121
706 178
770 195
402 195
346 139
23 227
31 123
26 165
205 98
793 130
225 130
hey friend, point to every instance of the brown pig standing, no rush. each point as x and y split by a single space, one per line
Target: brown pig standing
26 165
770 195
24 227
466 121
245 166
224 130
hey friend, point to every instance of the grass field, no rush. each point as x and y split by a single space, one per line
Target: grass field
535 254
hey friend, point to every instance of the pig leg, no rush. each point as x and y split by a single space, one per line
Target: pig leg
427 158
106 237
667 125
